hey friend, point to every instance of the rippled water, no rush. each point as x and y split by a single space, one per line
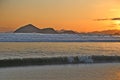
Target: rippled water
63 72
43 49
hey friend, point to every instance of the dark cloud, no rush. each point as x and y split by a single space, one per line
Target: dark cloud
112 19
115 19
101 19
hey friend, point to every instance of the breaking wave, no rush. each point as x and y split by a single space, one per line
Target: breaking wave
59 60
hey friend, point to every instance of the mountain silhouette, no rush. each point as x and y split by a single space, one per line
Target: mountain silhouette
48 30
27 29
33 29
111 32
68 32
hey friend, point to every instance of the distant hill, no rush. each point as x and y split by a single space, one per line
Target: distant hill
111 32
68 32
33 29
27 29
48 30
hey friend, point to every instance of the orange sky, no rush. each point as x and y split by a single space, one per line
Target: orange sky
78 15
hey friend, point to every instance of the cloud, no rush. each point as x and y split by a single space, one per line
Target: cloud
101 19
115 19
110 19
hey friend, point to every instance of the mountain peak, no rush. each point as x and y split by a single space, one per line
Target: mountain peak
29 25
29 28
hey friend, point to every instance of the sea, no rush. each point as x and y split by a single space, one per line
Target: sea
9 50
21 48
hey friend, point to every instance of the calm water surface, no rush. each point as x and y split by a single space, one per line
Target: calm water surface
63 72
43 49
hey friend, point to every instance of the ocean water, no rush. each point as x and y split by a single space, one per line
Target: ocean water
37 37
51 49
109 71
101 71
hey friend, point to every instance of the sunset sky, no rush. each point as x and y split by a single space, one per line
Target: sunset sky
77 15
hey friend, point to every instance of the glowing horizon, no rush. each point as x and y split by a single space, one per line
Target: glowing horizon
77 15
